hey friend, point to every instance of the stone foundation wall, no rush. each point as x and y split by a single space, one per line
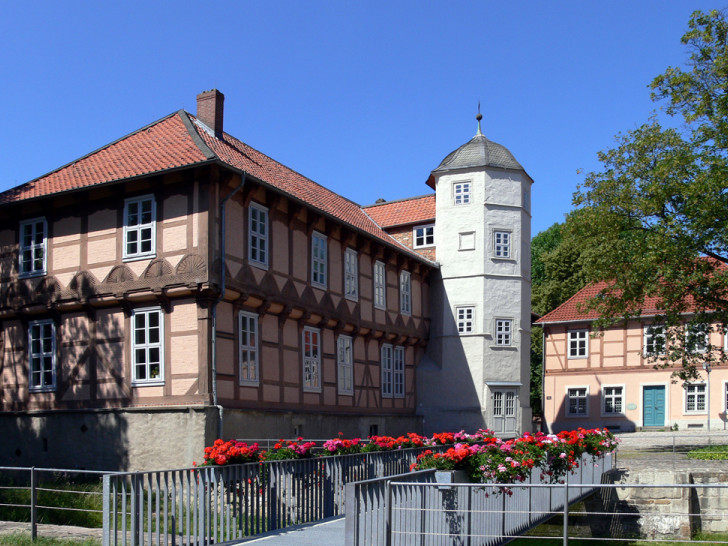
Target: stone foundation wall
661 513
128 439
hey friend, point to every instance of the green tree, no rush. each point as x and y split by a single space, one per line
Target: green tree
654 221
555 276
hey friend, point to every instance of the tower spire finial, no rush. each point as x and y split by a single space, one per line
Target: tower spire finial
479 117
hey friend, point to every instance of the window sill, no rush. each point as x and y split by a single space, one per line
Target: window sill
315 390
137 258
355 299
249 384
32 274
151 383
259 265
42 389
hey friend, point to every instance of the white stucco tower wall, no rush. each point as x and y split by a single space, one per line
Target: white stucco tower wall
476 373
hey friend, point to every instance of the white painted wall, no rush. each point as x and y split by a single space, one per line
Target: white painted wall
453 382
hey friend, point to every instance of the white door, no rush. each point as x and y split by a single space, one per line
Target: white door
504 410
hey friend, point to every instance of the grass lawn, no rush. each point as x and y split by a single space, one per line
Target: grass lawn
710 453
23 539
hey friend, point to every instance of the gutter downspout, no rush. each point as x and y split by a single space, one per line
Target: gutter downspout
213 359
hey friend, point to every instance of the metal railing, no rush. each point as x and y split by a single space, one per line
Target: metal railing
397 511
53 495
217 504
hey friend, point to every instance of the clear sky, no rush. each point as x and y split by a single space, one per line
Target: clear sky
363 97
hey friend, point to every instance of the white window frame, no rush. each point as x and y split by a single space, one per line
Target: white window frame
139 228
258 235
311 359
405 292
319 259
43 355
613 397
351 274
248 349
423 236
33 248
650 335
465 319
725 396
380 285
461 193
398 373
387 368
345 365
577 336
696 392
148 347
695 330
502 244
577 396
503 332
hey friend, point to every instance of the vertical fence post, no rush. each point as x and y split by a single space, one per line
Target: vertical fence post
566 510
107 509
33 506
388 520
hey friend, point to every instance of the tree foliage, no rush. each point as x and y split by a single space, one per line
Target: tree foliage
654 221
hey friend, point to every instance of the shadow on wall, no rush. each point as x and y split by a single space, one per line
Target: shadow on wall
74 439
71 424
446 390
586 412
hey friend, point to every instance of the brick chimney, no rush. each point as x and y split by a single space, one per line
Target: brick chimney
209 109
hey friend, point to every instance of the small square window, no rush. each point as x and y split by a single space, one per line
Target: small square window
613 400
466 240
502 244
578 343
503 332
423 236
696 339
576 400
461 193
654 340
465 317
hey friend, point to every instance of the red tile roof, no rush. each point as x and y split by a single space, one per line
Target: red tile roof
406 211
571 309
179 140
163 145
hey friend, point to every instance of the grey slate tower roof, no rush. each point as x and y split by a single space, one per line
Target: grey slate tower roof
479 152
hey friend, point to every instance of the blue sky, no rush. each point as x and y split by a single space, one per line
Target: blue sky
365 98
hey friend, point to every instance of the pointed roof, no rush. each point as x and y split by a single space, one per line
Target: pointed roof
414 210
178 141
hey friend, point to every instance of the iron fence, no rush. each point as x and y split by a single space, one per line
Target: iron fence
397 511
51 495
217 504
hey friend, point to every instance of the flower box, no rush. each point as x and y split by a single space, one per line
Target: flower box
451 476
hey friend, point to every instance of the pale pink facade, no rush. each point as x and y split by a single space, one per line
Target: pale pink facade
605 380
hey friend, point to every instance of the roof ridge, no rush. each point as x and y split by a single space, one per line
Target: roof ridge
196 138
433 194
96 151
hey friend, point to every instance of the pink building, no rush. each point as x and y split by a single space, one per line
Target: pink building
597 379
